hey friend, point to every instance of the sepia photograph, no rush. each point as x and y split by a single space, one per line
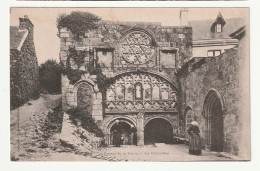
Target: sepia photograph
129 84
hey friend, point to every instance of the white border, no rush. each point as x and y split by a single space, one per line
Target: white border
253 165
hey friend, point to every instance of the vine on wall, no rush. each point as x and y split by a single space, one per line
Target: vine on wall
74 75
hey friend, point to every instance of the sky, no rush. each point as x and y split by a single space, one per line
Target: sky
45 30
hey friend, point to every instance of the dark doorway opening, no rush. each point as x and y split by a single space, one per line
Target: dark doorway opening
213 107
128 137
217 133
158 131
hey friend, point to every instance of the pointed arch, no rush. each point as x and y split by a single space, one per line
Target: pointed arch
214 110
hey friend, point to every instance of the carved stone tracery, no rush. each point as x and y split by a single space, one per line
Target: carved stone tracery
137 48
156 93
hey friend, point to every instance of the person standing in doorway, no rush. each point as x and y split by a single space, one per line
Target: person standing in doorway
117 134
132 134
194 139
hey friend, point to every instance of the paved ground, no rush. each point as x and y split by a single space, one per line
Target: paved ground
28 142
161 152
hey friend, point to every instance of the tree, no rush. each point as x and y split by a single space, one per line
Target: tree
78 22
50 77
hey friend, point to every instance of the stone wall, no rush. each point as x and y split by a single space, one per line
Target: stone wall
24 73
172 46
221 73
105 42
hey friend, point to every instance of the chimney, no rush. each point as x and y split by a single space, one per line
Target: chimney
184 17
25 23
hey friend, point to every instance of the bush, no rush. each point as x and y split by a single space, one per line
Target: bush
50 77
78 22
53 122
87 122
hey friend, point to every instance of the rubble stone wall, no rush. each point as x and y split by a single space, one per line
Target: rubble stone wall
24 73
222 74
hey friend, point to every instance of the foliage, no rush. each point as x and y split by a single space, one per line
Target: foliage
78 22
74 75
87 122
53 122
50 76
78 56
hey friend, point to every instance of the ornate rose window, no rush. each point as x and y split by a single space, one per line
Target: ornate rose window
137 48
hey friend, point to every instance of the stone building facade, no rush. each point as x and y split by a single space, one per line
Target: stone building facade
216 94
157 86
143 59
24 73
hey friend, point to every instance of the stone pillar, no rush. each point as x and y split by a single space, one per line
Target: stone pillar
108 139
97 111
140 129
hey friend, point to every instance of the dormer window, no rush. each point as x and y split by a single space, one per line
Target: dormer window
218 28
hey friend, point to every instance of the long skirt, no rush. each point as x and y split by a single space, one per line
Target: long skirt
117 139
194 144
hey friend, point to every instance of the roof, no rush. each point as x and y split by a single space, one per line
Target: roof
220 18
201 28
17 37
238 34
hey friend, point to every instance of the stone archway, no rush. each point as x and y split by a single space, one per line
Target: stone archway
158 130
214 113
84 96
129 137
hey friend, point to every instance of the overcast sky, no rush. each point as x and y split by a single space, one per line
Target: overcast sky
45 30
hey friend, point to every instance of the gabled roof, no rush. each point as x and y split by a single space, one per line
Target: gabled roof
220 18
17 37
201 29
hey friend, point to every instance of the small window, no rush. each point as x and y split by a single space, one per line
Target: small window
217 53
218 28
212 53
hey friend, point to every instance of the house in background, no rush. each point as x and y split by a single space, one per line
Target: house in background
24 73
211 38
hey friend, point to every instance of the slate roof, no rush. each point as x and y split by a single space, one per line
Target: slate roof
17 37
201 28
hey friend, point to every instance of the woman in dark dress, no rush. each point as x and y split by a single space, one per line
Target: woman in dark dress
117 134
132 134
194 140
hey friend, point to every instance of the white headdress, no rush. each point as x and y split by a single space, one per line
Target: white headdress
194 123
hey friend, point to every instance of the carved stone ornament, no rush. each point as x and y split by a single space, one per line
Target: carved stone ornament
140 115
137 48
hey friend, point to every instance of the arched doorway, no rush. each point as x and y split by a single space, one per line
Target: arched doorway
158 130
84 96
213 107
127 132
